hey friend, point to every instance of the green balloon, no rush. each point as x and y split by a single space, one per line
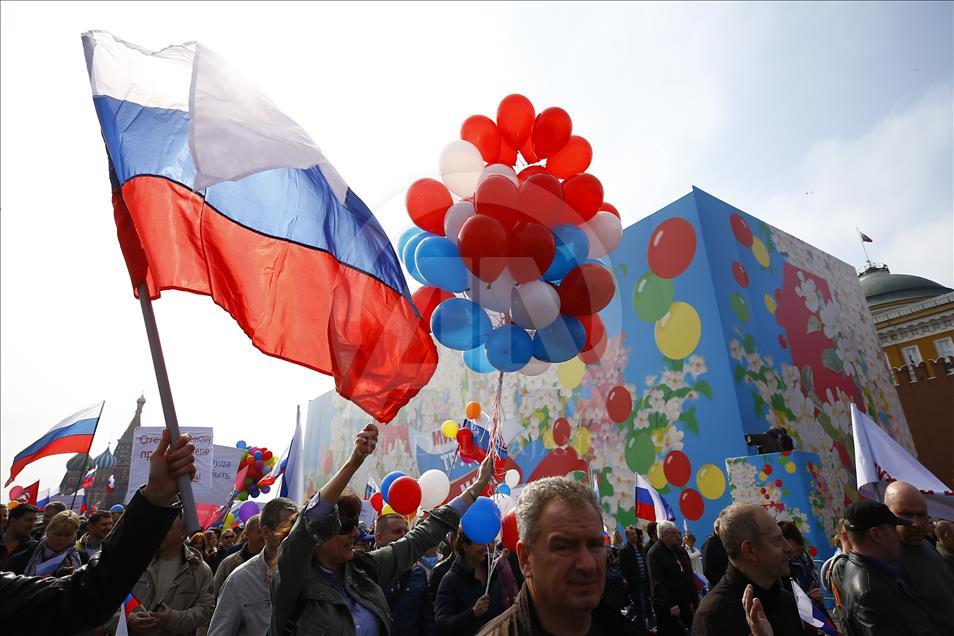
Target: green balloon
739 307
640 452
652 297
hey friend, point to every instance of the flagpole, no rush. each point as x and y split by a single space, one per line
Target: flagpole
82 474
191 516
860 235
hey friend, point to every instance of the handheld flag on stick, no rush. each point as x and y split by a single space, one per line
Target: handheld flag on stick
370 488
127 608
811 613
89 478
217 192
649 504
111 484
73 435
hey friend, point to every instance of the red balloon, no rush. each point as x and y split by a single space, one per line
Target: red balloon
609 207
592 356
676 468
671 248
561 432
483 246
532 170
482 132
584 194
377 501
404 495
515 119
619 404
508 530
741 230
573 158
465 439
426 299
586 290
540 199
15 492
767 469
427 201
691 504
530 251
496 197
551 130
528 153
595 331
508 155
741 276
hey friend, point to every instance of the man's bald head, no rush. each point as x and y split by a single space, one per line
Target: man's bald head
907 502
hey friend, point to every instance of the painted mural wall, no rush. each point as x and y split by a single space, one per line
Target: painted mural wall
722 325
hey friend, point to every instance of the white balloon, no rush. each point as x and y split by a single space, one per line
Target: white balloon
495 296
604 232
512 477
460 167
535 305
435 486
504 502
455 218
534 367
501 169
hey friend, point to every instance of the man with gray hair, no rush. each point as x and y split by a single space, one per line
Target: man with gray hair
563 559
252 546
748 598
244 606
670 575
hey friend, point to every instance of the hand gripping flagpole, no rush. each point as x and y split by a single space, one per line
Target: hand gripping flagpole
168 407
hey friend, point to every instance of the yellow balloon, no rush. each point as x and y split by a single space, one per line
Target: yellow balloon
657 477
449 429
547 439
762 476
581 440
387 510
760 252
679 331
571 373
770 303
790 467
711 481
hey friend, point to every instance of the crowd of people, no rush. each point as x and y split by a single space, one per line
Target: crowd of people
316 569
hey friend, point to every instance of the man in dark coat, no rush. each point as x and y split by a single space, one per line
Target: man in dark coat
758 557
714 558
412 612
670 573
632 563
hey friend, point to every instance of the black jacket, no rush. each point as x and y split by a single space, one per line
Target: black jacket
412 612
89 596
877 602
671 584
721 611
629 558
714 559
456 597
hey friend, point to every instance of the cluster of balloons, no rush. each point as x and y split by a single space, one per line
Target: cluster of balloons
508 260
402 494
260 462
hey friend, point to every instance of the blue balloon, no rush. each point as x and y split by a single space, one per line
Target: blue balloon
460 324
560 341
240 444
509 348
503 489
258 455
481 522
388 480
406 236
572 246
407 256
439 262
476 360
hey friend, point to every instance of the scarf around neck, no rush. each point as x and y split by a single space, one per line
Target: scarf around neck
45 562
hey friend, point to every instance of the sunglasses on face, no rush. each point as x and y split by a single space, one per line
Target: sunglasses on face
347 525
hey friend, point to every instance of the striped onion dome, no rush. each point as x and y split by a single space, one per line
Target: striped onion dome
105 460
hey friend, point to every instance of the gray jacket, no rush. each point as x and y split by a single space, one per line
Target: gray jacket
299 587
244 608
190 596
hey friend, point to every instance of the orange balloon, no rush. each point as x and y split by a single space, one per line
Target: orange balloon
472 410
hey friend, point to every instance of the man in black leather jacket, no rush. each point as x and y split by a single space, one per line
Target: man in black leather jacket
90 596
876 601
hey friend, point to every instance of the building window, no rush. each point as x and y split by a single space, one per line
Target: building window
945 347
912 355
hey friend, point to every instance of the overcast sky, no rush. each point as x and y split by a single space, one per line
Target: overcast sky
816 117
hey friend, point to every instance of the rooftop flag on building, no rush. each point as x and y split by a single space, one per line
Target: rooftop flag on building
217 192
72 435
649 504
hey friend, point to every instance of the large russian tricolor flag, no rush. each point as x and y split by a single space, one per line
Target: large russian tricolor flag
217 192
649 504
72 435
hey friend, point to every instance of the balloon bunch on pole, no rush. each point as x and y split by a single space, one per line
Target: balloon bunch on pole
508 259
259 461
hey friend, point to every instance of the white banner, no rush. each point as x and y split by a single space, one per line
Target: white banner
145 440
879 460
225 463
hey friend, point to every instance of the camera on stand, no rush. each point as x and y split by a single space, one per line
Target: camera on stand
774 440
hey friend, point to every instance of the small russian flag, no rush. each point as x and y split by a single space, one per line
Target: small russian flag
649 504
130 604
811 613
88 479
702 583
